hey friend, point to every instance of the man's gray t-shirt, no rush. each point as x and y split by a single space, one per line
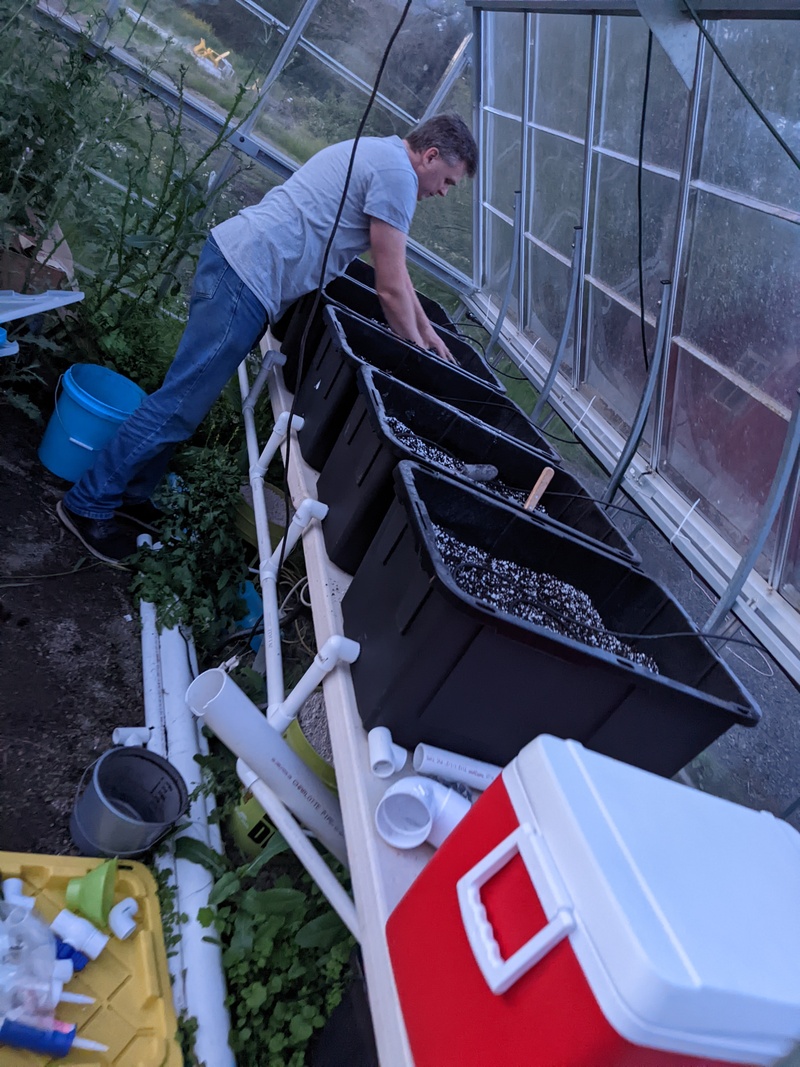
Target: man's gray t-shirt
277 245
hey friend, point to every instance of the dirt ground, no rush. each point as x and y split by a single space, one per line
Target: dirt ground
70 659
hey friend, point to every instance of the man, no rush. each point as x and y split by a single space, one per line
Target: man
252 267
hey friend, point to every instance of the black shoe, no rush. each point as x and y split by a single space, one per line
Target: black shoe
143 514
104 538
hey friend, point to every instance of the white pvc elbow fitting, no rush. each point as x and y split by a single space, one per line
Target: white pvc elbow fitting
121 920
385 757
416 809
79 933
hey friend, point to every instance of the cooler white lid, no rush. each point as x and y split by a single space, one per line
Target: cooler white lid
687 906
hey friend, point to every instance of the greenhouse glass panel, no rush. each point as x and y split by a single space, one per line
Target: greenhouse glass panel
722 446
623 64
561 48
741 307
309 107
739 153
615 230
445 226
616 367
547 288
499 249
556 190
790 587
210 54
504 41
503 151
355 34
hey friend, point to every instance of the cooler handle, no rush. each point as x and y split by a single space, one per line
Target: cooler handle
501 974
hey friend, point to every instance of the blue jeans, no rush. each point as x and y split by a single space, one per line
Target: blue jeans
225 322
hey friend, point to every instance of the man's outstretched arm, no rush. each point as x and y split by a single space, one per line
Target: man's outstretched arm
396 292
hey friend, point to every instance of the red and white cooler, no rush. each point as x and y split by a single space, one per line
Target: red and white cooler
587 913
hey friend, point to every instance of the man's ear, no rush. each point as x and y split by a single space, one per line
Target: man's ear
431 154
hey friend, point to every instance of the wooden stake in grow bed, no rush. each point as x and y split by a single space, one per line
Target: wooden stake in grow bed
542 483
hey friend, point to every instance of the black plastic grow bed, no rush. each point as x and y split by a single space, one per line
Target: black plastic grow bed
354 291
438 666
356 479
329 390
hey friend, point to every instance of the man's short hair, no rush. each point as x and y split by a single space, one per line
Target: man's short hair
450 134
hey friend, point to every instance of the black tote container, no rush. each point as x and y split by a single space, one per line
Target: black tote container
354 291
356 480
329 390
440 667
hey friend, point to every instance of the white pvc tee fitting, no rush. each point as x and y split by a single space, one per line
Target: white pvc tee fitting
416 809
385 757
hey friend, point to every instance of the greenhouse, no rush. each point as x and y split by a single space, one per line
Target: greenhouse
404 672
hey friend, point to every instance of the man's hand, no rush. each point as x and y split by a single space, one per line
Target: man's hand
434 343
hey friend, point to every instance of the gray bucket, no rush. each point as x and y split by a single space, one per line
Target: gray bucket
132 800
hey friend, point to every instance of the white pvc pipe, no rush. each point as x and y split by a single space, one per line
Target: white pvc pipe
237 722
269 589
443 764
273 357
154 721
198 982
385 757
415 810
204 978
296 838
336 650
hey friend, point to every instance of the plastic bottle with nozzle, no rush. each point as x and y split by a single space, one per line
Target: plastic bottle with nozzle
31 985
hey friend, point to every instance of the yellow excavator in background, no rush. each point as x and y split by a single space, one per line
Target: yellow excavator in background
203 52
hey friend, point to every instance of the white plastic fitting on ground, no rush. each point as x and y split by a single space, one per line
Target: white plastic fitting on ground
79 933
130 735
385 757
214 697
336 650
13 893
416 809
121 919
443 764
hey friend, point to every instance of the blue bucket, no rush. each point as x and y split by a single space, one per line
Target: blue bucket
93 403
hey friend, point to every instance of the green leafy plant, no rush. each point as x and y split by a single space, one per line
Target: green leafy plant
284 951
194 578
